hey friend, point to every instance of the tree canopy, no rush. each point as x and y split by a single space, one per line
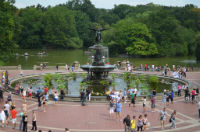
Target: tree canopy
142 30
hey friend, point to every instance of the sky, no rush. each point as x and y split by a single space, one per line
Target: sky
108 4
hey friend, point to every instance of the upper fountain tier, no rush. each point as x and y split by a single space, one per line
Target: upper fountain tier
98 56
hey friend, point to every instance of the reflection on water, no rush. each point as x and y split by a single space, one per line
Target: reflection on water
62 57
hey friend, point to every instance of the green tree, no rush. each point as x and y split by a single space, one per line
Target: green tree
7 28
60 30
134 38
30 19
197 51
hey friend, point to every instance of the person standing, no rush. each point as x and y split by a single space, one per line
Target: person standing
179 90
111 105
39 101
127 123
21 121
124 95
164 99
25 122
57 67
7 111
56 97
145 121
2 118
153 103
193 95
1 94
172 96
34 118
144 104
14 117
82 97
163 114
24 94
133 124
140 123
132 99
172 119
118 110
199 109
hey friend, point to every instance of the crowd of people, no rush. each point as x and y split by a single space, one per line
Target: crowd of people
116 98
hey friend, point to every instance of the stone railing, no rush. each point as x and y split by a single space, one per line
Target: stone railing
10 67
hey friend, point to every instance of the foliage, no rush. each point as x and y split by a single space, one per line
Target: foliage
153 81
197 51
104 82
48 80
142 30
113 84
113 76
137 83
72 75
84 75
131 37
7 28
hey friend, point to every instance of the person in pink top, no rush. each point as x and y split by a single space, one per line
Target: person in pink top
179 90
193 95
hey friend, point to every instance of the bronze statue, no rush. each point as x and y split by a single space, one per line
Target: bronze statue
98 34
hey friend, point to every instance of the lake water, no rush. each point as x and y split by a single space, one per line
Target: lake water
62 57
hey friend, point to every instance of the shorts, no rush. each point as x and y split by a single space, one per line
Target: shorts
14 120
144 105
111 110
133 101
172 99
56 99
153 105
30 94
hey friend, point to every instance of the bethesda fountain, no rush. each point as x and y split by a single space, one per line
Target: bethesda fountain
98 54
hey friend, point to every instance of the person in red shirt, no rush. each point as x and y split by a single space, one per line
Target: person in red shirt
46 90
193 95
14 117
145 67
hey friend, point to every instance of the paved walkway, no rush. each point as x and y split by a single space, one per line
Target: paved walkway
95 117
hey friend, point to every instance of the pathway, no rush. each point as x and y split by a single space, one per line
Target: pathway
94 117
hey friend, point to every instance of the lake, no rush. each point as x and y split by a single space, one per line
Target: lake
62 57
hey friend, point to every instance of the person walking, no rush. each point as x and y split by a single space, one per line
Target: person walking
34 125
127 123
172 119
25 122
133 125
163 114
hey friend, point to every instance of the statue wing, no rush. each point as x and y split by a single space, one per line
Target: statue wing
92 29
103 29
